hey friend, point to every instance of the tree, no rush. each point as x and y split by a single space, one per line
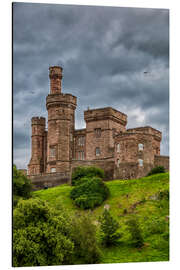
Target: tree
108 229
41 235
22 186
136 236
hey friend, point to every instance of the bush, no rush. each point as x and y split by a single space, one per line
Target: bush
84 238
158 169
41 235
90 193
88 172
108 229
136 236
22 186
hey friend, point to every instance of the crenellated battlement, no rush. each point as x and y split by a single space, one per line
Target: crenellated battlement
146 130
105 113
38 121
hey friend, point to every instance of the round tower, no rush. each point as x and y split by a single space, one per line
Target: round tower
36 165
61 108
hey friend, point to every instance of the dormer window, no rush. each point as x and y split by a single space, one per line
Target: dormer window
140 147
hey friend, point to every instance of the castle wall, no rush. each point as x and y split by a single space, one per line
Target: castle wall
106 165
162 161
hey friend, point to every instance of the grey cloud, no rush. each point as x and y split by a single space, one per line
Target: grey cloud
104 52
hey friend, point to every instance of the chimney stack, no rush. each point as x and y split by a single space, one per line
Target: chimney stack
55 75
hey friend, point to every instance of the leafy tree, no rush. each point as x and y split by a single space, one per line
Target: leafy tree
88 172
136 235
84 238
108 229
22 186
89 193
41 235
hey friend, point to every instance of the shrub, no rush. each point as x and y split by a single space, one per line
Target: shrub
89 202
41 235
90 193
108 229
84 238
136 236
22 186
158 169
88 172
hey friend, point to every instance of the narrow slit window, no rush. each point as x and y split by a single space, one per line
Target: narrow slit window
118 148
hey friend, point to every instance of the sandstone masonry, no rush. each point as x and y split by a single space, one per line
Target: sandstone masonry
105 142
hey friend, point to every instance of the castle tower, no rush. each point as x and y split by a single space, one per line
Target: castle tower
61 108
36 165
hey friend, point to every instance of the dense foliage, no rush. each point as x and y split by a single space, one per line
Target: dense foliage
108 229
85 241
22 186
89 193
89 172
41 235
158 169
135 231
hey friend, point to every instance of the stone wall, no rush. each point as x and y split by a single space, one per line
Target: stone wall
162 161
49 180
106 165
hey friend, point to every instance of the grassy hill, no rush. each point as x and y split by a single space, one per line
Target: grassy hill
146 198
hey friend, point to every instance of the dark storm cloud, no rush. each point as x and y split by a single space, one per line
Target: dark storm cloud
115 57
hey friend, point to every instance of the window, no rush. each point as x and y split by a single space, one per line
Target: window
140 162
81 140
118 148
71 137
98 151
81 155
53 170
52 152
118 162
140 146
97 132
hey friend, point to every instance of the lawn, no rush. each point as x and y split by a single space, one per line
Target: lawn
127 198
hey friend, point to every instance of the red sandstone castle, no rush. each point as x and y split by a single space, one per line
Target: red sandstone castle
105 142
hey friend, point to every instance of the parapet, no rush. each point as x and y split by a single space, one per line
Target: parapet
105 113
38 121
146 130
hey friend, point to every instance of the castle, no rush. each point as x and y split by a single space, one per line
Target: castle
105 142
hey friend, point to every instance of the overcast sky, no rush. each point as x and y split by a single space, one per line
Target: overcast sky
116 57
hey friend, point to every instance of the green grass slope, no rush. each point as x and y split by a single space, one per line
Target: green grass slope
139 197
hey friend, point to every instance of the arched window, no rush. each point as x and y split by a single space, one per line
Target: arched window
98 151
118 148
140 147
140 162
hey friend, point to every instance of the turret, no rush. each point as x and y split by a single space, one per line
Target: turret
61 108
36 165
